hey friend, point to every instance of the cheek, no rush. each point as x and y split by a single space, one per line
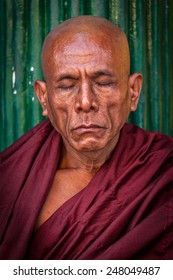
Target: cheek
58 114
119 109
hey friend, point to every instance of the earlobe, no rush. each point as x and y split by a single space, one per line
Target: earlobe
135 82
41 92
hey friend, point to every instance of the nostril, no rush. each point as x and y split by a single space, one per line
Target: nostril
85 107
92 108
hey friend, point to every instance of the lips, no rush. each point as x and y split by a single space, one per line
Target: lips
87 127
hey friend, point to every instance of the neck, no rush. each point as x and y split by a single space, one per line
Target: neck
90 161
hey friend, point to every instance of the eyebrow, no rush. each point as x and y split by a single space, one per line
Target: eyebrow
102 73
66 76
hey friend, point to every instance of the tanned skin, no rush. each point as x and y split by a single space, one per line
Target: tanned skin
88 94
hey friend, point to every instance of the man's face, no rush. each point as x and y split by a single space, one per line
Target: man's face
87 92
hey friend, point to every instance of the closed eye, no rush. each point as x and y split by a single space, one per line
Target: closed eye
65 87
105 84
66 83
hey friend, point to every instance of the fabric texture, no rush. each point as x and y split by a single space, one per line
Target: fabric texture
125 212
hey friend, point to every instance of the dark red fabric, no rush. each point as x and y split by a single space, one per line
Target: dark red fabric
125 212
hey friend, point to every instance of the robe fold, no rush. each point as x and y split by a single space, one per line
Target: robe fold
125 212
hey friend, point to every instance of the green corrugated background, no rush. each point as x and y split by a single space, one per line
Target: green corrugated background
148 25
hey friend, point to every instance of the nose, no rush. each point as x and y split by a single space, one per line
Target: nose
86 99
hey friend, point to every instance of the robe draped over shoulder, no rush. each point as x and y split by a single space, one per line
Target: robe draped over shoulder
125 212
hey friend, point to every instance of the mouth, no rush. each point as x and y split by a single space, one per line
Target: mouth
88 128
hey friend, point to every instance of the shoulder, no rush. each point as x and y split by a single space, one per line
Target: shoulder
134 129
152 140
143 150
31 140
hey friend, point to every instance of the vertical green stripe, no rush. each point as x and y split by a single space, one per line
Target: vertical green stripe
45 10
170 11
153 66
118 13
166 66
99 8
136 42
61 11
3 74
18 68
9 114
34 60
53 13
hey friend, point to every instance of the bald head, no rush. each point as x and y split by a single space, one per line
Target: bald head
96 29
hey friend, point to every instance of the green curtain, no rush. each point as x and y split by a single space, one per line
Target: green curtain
23 27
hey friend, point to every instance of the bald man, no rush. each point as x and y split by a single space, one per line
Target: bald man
84 184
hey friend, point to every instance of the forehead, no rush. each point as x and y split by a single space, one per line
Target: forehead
84 41
67 49
84 48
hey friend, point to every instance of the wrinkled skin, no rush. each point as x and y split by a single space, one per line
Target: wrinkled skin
88 93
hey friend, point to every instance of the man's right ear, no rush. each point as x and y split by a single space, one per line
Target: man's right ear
41 92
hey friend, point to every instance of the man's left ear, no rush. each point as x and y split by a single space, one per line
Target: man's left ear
135 84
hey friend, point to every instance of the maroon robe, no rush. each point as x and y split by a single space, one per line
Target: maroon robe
125 212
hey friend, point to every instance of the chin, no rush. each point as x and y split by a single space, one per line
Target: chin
89 146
